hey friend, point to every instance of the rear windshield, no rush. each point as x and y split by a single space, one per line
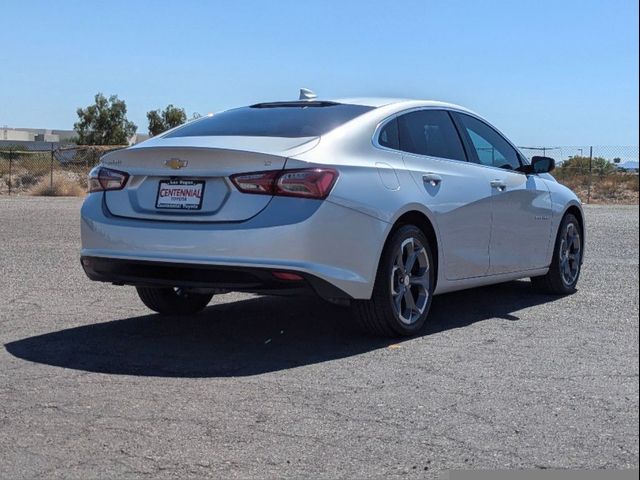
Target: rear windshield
310 119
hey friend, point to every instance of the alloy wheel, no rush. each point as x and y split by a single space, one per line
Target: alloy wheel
570 254
410 281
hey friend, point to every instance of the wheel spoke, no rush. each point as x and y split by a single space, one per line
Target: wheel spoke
568 235
411 260
570 230
409 301
567 270
572 237
576 243
398 263
421 280
397 300
408 248
395 279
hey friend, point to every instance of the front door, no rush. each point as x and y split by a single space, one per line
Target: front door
521 227
521 204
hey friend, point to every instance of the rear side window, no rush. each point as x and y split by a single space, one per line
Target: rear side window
430 132
491 147
388 136
293 119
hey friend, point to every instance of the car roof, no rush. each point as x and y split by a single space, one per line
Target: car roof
397 104
401 102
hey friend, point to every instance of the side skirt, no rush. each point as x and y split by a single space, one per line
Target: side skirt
446 286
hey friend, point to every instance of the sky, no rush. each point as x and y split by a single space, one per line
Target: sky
544 72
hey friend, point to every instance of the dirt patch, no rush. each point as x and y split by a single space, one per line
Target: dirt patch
62 184
616 189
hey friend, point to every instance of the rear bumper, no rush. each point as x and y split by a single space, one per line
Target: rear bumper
324 242
241 279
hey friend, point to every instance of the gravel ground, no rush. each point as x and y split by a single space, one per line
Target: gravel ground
91 385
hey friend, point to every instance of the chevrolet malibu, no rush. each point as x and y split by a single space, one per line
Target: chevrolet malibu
375 204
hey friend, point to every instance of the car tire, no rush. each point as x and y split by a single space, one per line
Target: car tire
403 288
566 264
173 301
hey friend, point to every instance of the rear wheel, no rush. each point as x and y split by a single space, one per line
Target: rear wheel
173 300
564 270
403 288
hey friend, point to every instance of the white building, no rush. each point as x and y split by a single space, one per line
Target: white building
16 135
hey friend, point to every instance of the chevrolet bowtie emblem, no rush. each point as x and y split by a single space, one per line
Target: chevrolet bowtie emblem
176 163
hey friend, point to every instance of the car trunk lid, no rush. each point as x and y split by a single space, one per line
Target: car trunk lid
187 179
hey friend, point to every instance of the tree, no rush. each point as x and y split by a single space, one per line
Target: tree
104 123
579 164
163 120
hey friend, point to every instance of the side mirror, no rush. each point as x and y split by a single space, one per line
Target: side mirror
542 165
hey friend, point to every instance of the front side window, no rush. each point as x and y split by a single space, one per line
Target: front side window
490 147
283 119
430 132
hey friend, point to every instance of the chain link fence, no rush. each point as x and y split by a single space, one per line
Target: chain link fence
598 174
54 171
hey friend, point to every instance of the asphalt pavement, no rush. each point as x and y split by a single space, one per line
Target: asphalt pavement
94 386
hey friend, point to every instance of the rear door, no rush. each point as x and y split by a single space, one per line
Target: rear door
455 190
522 210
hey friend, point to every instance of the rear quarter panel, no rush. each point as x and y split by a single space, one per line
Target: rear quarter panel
372 181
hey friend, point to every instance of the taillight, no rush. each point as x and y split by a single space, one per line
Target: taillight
306 183
259 182
102 179
287 276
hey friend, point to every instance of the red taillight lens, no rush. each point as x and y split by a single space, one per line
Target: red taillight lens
259 182
306 183
287 276
314 183
102 179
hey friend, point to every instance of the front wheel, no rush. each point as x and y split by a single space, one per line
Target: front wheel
173 300
564 270
403 288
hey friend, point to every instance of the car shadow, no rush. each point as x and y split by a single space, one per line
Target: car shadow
250 337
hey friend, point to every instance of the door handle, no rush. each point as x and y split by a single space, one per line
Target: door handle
432 179
499 185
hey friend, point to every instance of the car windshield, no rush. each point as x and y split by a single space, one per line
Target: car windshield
282 119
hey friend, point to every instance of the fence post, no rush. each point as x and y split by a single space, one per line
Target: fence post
10 165
51 170
590 174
